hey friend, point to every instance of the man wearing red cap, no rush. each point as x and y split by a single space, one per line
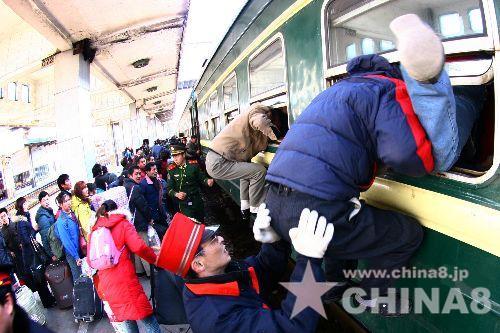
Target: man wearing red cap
225 295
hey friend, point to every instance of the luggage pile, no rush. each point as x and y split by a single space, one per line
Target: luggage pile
27 301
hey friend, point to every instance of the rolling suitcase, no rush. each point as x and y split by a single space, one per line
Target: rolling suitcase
87 306
26 300
59 277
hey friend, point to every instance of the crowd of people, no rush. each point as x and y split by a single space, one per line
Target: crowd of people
380 114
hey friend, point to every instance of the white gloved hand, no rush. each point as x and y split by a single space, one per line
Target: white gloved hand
312 236
262 230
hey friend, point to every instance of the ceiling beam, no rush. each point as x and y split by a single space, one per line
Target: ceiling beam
36 15
162 94
147 78
103 42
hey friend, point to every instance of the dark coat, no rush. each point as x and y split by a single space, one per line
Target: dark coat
347 130
45 219
236 300
5 257
138 205
153 192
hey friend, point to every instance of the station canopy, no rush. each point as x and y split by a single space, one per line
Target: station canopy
137 43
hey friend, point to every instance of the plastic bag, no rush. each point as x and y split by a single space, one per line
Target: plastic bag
153 239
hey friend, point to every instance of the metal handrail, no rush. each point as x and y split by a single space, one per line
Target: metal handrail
31 197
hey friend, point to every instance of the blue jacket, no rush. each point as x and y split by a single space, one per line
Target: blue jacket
68 232
236 300
337 142
45 219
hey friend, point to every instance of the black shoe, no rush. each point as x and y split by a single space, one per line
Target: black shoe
245 215
401 306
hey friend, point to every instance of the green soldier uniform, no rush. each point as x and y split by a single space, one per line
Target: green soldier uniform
187 178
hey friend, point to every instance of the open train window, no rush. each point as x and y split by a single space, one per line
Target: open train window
215 126
266 69
267 80
353 28
213 104
230 93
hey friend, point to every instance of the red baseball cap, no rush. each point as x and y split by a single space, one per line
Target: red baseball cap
180 244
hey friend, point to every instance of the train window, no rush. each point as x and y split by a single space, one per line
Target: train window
350 51
451 25
367 46
267 70
230 93
213 105
207 129
475 20
216 126
352 31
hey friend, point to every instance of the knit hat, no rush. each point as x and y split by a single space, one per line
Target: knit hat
420 50
180 244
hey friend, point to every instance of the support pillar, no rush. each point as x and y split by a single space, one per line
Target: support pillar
75 143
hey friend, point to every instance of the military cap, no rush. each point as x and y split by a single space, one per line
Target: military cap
177 149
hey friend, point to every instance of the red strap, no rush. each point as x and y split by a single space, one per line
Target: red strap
424 147
221 289
255 281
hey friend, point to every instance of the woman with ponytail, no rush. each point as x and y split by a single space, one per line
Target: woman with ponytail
118 286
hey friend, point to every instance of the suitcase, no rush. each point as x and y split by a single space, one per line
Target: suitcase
26 300
59 277
166 290
87 306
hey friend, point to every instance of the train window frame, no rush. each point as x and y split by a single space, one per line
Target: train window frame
234 106
276 91
473 44
278 98
456 45
214 97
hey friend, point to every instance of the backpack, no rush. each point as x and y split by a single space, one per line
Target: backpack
102 252
54 242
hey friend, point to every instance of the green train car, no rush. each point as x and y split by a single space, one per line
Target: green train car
284 52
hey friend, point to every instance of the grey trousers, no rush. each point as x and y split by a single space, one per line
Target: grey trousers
252 176
141 265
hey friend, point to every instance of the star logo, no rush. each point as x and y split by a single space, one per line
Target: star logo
308 292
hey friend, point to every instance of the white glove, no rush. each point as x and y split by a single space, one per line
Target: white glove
262 230
312 236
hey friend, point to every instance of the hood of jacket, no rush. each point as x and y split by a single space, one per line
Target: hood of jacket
114 217
373 64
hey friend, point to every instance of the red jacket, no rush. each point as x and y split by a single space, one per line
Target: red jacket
119 285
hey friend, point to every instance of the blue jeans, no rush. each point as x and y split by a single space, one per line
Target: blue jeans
130 326
76 270
446 113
